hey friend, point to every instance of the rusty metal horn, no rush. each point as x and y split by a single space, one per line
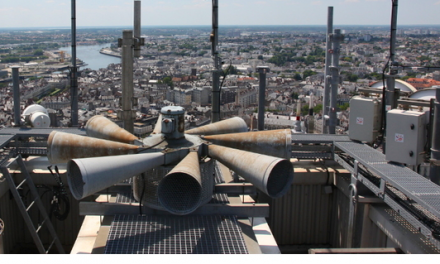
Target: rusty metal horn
62 147
277 143
271 175
232 125
158 126
91 175
180 191
101 127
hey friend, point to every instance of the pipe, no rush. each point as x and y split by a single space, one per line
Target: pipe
325 101
88 176
337 37
127 80
262 70
74 73
100 127
62 147
228 126
276 143
16 85
435 142
271 175
137 28
180 191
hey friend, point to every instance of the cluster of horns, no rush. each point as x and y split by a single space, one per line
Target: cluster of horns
110 154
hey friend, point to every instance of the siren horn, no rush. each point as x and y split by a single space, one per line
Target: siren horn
101 127
180 191
232 125
158 127
277 143
271 175
62 147
91 175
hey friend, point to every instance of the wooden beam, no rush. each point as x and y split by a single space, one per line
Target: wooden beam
240 210
354 251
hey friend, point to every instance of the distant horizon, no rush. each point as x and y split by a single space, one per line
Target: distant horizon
119 13
177 26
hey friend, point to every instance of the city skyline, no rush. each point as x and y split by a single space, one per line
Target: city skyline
111 13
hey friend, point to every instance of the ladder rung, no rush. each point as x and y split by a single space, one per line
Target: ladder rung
50 246
21 183
33 202
41 225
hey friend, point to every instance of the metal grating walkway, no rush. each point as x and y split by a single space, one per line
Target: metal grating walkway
318 138
4 140
43 132
131 234
412 184
128 198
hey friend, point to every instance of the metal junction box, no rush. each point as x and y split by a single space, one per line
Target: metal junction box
364 118
406 136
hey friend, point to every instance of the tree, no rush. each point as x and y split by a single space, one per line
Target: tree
38 52
317 108
297 77
308 73
230 70
169 81
352 77
344 106
260 57
294 95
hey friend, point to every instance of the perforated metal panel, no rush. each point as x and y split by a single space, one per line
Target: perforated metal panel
130 234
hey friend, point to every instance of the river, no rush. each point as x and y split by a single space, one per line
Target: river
91 56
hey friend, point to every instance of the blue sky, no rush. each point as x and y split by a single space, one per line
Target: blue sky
56 13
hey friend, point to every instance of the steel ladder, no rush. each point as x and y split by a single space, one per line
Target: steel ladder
34 231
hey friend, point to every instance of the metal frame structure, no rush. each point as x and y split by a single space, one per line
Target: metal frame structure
370 168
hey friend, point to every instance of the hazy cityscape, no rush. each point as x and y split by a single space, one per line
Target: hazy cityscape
222 134
176 69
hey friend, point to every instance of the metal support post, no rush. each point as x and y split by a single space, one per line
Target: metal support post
262 70
74 73
336 39
325 101
137 30
127 80
215 114
435 143
16 85
390 99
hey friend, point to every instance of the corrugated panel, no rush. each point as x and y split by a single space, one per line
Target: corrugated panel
16 232
339 220
302 216
14 225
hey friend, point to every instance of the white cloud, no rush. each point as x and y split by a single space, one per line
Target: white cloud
317 3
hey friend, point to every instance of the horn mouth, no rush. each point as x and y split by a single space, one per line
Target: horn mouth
180 193
75 180
277 183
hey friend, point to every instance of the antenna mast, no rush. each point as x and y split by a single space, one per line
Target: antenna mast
215 114
74 73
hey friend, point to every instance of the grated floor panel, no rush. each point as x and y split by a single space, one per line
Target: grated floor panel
133 234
